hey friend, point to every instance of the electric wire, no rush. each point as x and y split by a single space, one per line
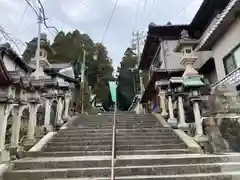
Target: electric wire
182 10
83 3
110 20
45 19
29 3
22 17
136 16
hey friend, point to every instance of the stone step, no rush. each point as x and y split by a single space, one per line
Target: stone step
150 146
142 160
106 153
119 122
127 125
119 130
118 137
63 162
122 161
199 176
118 148
40 174
153 152
79 148
157 170
118 126
168 169
119 142
118 133
68 153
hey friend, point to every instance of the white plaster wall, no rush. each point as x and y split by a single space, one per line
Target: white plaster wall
225 44
173 59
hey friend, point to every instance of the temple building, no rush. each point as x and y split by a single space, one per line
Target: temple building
215 28
183 61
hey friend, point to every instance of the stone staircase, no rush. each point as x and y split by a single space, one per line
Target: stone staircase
145 150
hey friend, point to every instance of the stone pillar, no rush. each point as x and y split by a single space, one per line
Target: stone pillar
31 125
67 103
16 128
4 113
59 111
47 123
182 122
163 104
171 120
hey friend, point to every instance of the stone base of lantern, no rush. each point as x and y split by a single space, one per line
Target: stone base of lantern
173 122
200 138
48 128
4 156
164 115
29 142
66 118
183 126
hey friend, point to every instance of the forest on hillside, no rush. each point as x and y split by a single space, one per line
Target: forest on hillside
128 80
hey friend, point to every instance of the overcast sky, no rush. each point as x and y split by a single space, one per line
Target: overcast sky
68 15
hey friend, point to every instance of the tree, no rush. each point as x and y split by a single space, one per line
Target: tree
68 48
127 85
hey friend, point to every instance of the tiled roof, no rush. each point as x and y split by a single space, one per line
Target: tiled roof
218 21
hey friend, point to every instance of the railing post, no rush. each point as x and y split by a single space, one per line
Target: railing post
114 142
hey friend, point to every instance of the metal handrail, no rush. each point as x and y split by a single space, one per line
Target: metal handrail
113 143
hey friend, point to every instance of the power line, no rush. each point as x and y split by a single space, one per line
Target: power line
145 4
44 17
8 37
24 12
109 21
136 15
182 10
36 11
83 3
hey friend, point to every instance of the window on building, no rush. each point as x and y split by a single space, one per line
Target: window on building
232 61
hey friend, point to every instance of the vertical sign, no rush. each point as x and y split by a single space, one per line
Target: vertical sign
113 89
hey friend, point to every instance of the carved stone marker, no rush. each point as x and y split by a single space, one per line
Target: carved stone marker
224 99
220 109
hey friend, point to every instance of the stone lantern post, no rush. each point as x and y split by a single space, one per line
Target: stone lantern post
162 86
177 84
192 81
172 121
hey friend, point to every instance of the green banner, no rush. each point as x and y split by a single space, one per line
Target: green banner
113 89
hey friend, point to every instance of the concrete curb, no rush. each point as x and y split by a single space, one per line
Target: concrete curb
42 142
192 145
162 121
4 168
65 126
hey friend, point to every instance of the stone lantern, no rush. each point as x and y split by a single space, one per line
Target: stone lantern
177 84
192 81
162 88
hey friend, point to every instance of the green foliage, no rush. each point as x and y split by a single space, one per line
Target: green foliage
68 48
128 80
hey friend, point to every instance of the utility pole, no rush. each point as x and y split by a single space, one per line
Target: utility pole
37 54
83 80
137 40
